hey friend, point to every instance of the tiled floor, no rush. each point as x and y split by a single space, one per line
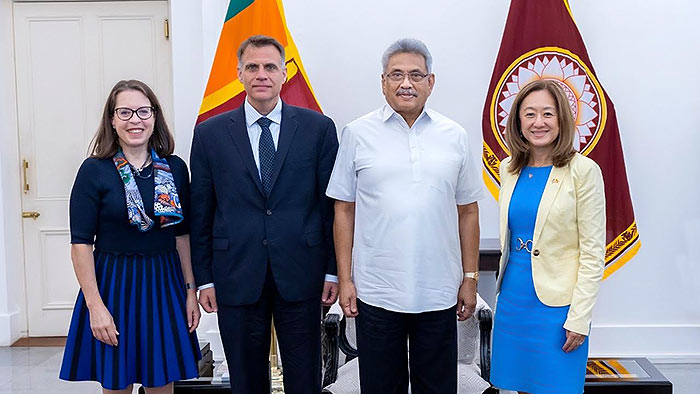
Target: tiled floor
25 370
685 377
34 370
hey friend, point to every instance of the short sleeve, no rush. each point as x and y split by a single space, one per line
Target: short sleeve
182 182
85 203
343 182
470 187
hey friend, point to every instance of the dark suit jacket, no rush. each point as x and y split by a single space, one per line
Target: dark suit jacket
236 230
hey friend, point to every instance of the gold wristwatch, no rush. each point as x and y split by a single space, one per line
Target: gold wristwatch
472 275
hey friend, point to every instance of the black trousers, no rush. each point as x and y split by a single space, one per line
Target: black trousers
245 334
382 338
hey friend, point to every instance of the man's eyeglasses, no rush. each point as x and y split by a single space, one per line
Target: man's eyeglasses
143 113
398 76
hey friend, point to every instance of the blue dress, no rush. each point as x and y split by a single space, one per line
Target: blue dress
140 282
528 335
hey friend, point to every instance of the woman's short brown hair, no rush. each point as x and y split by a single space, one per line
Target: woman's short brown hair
517 144
105 143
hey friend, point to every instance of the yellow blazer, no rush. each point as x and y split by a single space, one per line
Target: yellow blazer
568 244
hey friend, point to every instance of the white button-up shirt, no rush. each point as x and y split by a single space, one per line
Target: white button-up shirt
254 129
406 183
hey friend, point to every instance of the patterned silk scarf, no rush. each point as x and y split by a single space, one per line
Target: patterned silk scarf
166 202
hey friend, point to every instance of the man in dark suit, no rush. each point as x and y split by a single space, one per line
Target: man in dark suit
262 226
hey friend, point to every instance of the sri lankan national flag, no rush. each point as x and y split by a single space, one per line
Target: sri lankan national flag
245 18
541 41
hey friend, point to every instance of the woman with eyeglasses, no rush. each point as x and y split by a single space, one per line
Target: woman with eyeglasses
552 227
135 317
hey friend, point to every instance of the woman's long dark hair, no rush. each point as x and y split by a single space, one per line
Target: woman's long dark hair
105 143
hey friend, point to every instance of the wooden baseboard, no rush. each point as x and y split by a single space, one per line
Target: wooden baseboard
40 342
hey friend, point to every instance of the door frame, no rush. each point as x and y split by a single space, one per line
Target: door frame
13 302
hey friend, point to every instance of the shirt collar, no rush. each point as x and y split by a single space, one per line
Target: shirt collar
252 115
388 113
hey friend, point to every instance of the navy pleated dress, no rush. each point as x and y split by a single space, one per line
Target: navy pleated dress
140 281
528 335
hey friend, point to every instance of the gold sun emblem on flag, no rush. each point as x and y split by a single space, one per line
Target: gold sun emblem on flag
585 95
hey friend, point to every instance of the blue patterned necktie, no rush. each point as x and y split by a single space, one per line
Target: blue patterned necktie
266 149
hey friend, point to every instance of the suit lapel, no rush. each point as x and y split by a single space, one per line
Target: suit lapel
551 189
288 128
239 133
507 187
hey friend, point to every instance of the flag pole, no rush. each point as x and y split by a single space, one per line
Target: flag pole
276 375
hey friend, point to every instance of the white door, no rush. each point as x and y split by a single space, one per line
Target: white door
68 57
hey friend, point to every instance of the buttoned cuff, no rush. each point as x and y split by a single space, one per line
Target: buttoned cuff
329 278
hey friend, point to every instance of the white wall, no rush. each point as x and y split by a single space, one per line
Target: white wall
645 54
194 34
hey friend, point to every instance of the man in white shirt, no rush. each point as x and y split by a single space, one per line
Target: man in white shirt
406 231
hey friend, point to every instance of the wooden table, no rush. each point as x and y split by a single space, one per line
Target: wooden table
201 386
489 254
625 376
621 376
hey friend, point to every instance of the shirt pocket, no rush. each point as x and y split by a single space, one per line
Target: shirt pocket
441 174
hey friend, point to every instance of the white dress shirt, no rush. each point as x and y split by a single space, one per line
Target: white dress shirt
254 129
254 132
406 183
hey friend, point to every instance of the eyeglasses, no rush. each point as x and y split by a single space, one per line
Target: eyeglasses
398 76
143 113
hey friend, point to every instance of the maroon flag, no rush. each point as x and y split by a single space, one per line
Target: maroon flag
541 41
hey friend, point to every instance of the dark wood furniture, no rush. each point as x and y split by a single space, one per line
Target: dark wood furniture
489 254
201 386
625 376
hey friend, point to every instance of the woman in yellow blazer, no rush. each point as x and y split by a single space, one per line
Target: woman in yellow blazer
552 228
